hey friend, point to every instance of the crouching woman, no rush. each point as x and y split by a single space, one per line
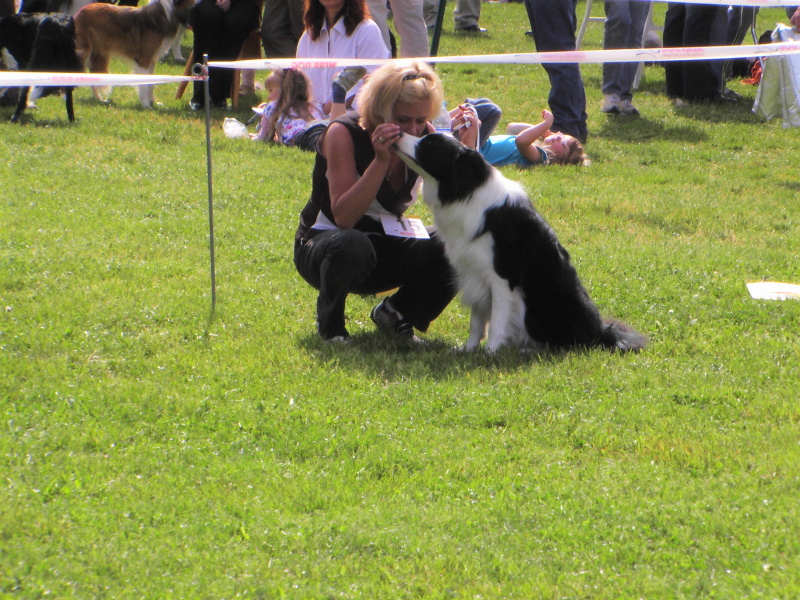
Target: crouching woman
353 236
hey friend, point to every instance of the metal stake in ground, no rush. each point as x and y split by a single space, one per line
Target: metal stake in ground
204 71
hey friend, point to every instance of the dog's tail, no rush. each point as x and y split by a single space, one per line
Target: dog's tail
620 337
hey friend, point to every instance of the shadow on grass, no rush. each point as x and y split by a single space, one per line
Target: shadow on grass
791 185
165 106
392 359
29 119
637 129
720 113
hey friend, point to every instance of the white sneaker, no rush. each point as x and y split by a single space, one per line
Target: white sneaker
612 104
628 109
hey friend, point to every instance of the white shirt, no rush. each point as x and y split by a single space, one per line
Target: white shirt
366 42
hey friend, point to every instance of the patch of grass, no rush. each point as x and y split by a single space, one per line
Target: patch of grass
152 448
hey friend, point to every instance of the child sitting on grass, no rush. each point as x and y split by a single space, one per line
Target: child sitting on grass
289 110
529 145
290 117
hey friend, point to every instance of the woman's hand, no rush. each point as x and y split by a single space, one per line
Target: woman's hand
466 125
383 138
352 194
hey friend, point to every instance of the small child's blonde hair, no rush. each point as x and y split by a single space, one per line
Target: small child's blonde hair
576 155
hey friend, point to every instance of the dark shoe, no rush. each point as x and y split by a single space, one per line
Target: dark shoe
730 95
221 105
715 99
388 319
196 105
473 29
725 97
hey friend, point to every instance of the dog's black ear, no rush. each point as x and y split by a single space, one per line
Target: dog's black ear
468 172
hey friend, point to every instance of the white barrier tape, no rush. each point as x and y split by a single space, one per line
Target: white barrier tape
22 78
573 56
756 3
27 78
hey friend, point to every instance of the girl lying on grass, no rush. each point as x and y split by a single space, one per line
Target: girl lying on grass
530 145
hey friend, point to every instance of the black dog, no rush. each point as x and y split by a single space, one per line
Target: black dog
44 43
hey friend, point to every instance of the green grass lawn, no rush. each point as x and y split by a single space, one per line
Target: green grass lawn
152 448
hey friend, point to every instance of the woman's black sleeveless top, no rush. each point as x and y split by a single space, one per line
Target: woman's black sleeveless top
320 200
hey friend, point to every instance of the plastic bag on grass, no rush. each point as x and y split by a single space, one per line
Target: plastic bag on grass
234 128
779 91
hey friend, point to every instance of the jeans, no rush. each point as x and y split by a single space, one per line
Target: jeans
623 29
344 261
553 23
489 115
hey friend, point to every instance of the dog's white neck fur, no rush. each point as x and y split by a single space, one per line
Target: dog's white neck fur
472 256
453 218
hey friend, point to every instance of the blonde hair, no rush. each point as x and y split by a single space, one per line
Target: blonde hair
408 82
575 155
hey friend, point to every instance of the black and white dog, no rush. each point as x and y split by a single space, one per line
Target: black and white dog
512 271
40 42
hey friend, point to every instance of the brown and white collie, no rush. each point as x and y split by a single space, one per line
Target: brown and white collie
138 35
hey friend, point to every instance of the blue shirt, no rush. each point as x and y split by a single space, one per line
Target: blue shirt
501 150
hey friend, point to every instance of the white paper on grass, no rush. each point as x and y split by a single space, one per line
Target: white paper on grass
774 290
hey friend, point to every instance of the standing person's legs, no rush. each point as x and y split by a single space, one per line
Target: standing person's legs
623 29
467 13
430 9
740 20
410 25
553 24
380 13
615 35
281 27
705 26
237 23
674 24
206 21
